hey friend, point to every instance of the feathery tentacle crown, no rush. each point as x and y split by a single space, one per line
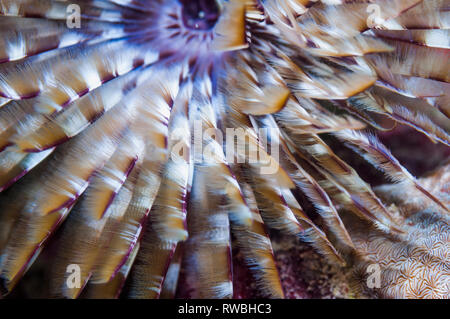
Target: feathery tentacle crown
109 133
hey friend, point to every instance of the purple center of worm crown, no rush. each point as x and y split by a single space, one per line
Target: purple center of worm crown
200 14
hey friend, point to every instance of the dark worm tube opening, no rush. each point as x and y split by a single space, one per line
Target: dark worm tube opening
200 14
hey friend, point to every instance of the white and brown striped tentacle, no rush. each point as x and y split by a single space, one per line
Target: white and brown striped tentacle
380 157
66 176
166 226
156 102
246 224
207 263
305 182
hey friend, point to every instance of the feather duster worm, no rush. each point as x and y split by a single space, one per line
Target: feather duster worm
112 137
